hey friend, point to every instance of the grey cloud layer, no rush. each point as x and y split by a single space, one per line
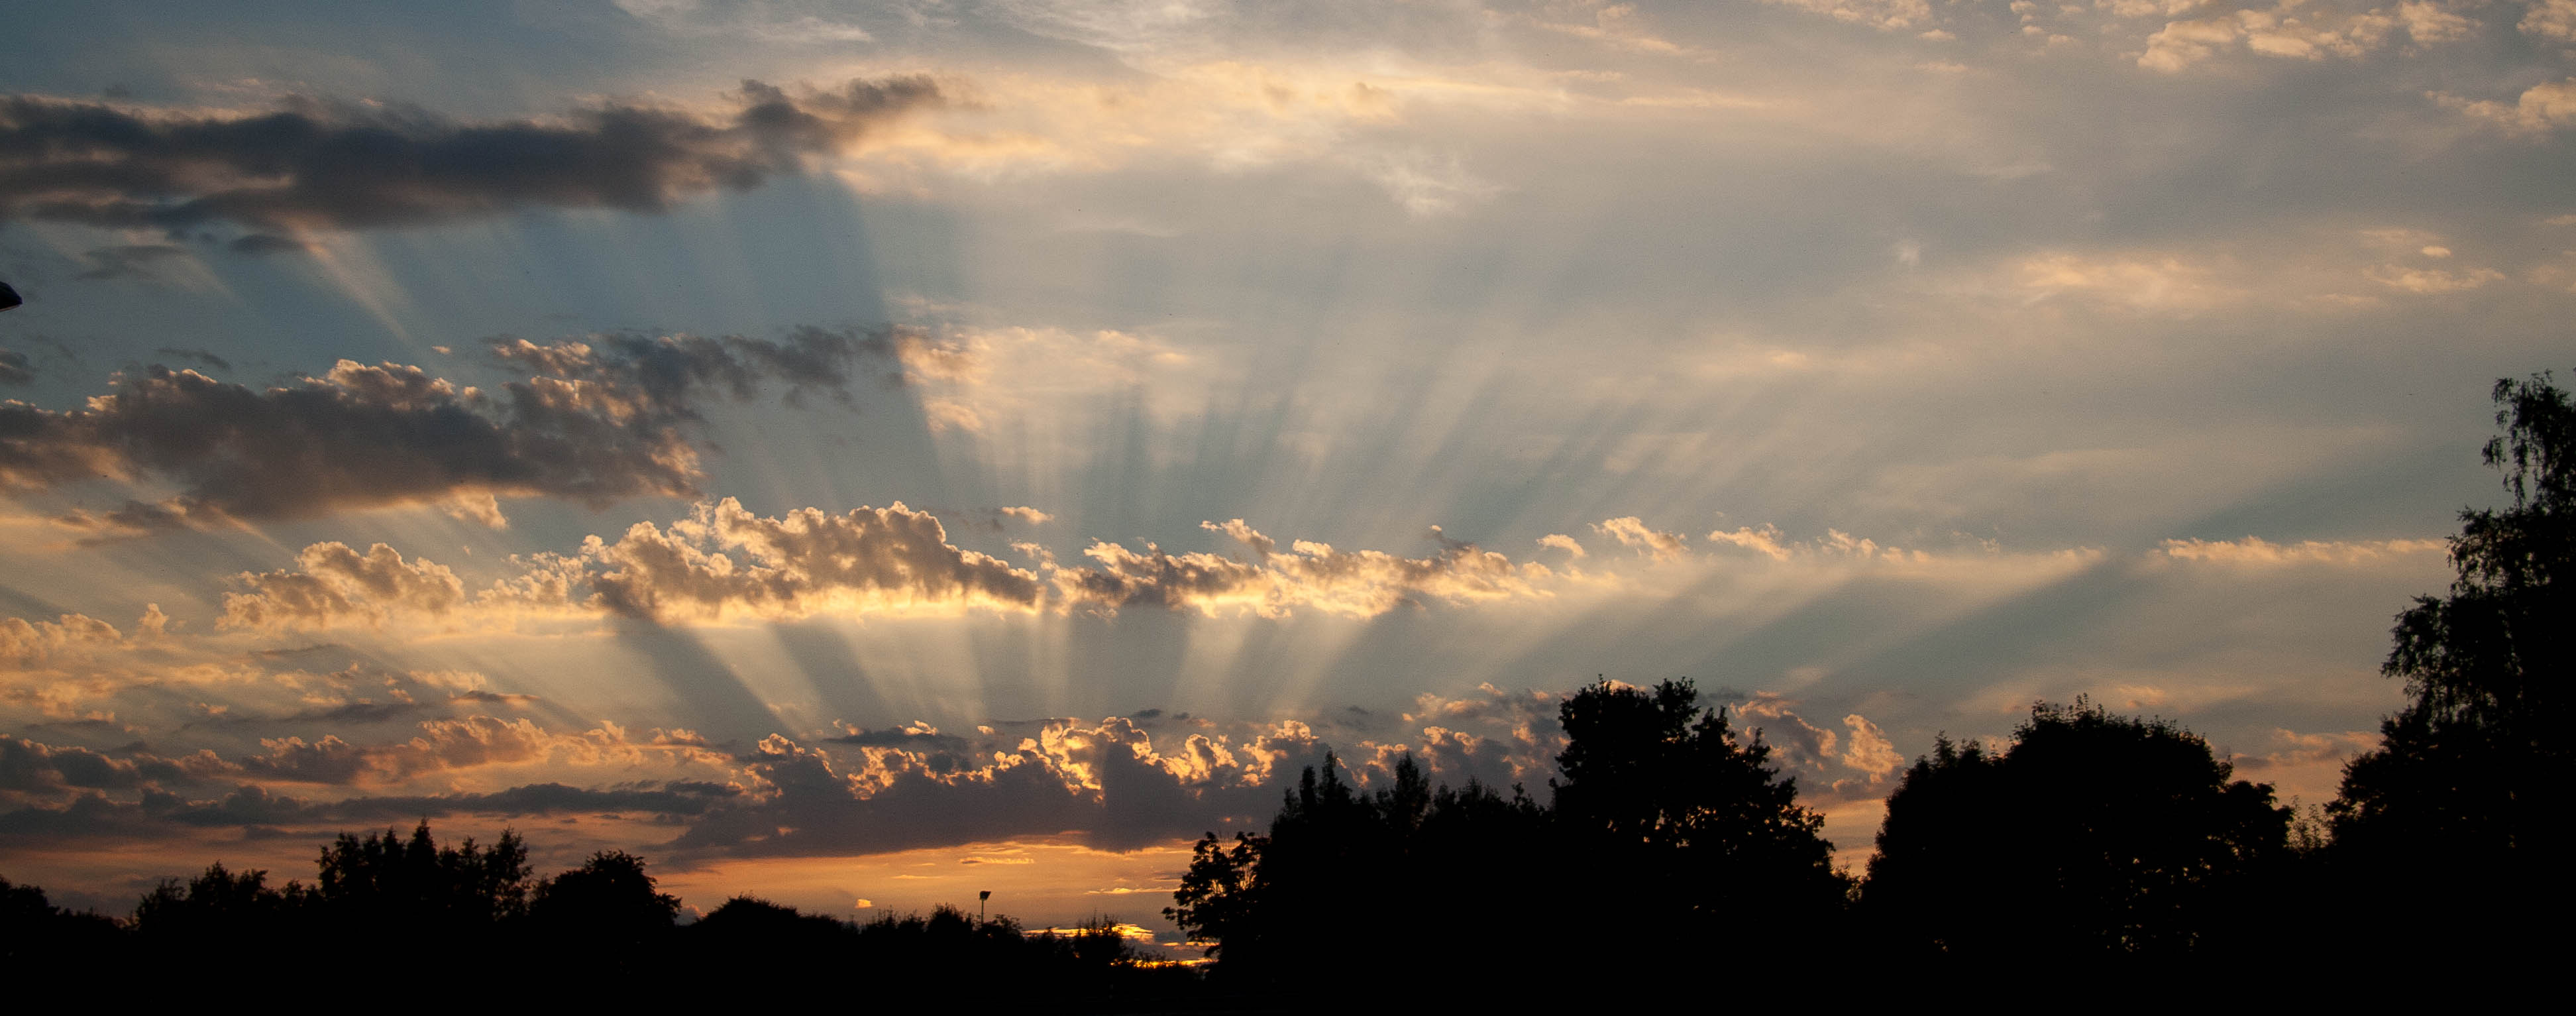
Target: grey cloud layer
601 421
314 164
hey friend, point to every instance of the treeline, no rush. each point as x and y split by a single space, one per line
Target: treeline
387 910
1668 840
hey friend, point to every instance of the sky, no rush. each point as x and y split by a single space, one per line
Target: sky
862 454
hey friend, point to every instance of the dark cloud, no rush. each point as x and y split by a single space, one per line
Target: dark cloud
335 165
128 261
161 814
909 737
598 423
32 769
198 355
1108 785
668 372
266 243
360 712
14 368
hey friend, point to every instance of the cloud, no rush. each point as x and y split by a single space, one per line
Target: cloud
357 437
1362 583
1632 532
128 261
333 583
2430 281
1869 749
2291 29
24 643
448 745
1495 737
1106 785
32 770
315 164
665 375
199 355
2550 19
15 369
2138 282
2257 552
1886 15
2538 110
163 815
600 420
807 562
1795 742
721 563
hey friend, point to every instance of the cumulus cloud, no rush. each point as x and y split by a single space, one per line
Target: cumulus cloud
334 583
1363 583
1846 765
1496 737
2550 19
315 164
24 643
720 563
2297 30
1868 748
1632 532
807 562
2539 109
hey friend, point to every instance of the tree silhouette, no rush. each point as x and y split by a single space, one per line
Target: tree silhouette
414 883
2092 834
1275 908
606 910
1684 830
66 946
2472 776
1214 903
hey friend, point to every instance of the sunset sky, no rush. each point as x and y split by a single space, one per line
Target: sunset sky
865 453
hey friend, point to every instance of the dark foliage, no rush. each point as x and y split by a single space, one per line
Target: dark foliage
1667 837
1272 906
2092 835
2472 777
387 906
1682 831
